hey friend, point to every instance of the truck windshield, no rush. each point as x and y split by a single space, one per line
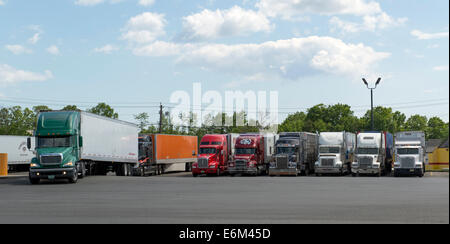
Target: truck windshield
329 149
47 142
207 150
285 150
407 151
367 151
245 151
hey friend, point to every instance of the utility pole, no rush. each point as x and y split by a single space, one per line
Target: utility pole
160 117
371 100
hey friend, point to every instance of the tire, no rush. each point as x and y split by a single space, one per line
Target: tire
355 174
194 175
317 174
34 181
83 170
74 179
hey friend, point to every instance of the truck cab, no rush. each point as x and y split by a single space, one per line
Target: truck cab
287 157
336 151
373 153
212 157
410 155
58 144
248 156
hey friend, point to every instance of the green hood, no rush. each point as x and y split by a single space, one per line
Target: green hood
65 151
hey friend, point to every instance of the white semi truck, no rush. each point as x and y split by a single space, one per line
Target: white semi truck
336 151
19 157
410 153
374 153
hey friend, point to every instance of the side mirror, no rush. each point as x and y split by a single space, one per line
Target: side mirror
80 141
29 143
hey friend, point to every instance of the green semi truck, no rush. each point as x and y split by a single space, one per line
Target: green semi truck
73 144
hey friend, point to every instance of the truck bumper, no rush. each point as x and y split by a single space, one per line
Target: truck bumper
370 171
415 171
58 173
246 171
204 171
280 172
328 170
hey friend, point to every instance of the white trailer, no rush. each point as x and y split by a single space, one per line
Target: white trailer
336 152
410 153
109 140
270 140
19 157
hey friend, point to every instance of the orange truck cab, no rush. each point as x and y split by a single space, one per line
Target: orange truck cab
213 156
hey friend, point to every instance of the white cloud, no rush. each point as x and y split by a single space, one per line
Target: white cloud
107 49
10 75
290 9
222 23
2 2
18 49
428 36
291 59
54 50
144 28
441 68
35 38
146 2
370 23
88 2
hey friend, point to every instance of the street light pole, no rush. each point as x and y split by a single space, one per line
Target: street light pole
371 100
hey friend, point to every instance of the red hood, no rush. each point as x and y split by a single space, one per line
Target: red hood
245 157
210 157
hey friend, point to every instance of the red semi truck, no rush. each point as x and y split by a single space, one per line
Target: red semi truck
252 154
214 154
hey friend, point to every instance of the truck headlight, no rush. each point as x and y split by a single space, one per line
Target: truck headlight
355 164
317 164
272 165
396 165
419 166
338 164
34 165
212 166
69 164
375 165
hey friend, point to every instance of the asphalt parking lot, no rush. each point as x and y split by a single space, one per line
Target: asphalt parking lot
180 198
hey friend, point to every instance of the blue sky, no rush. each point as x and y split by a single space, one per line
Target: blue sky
134 54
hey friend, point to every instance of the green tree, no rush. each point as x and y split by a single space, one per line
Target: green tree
39 108
142 119
71 108
416 123
293 123
15 121
104 109
437 129
384 120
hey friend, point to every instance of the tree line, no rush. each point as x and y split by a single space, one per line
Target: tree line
339 117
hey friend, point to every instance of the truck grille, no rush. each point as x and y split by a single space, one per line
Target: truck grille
365 162
282 162
327 162
241 164
51 159
202 163
407 162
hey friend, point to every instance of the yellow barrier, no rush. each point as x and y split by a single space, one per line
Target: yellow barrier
3 164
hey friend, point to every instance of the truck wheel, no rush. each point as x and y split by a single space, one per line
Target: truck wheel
74 178
83 170
34 181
